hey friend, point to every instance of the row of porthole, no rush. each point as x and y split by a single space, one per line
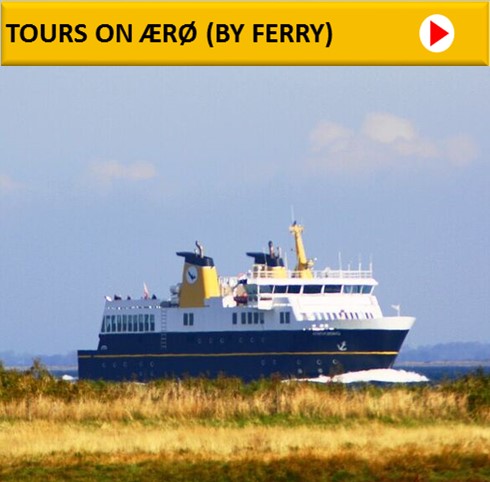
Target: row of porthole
222 340
263 362
125 364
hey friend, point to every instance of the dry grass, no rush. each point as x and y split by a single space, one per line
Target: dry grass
177 402
368 441
224 430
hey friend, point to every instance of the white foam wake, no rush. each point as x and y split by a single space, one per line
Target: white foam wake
69 378
387 375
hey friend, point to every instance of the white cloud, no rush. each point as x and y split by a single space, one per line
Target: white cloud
387 128
329 134
385 141
107 172
7 184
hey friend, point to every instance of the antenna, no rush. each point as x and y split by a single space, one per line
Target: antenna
340 261
292 214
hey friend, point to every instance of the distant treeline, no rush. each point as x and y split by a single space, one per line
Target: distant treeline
11 359
457 351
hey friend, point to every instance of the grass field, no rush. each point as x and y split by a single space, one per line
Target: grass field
226 430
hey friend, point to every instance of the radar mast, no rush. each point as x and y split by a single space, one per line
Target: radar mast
304 265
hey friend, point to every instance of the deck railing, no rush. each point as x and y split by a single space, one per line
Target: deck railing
317 274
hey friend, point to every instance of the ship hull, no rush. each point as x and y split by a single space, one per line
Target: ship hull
248 355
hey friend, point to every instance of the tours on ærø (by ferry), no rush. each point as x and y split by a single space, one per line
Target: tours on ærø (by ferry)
300 323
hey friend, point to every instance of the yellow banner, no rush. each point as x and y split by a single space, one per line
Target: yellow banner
357 33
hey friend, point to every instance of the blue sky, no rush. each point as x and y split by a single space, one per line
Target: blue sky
106 172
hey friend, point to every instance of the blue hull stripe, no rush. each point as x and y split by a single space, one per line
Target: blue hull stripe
248 355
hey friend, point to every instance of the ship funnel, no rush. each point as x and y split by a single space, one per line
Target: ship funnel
199 279
269 265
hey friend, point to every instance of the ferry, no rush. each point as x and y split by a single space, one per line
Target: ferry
271 320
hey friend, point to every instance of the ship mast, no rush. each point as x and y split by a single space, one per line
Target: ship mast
304 265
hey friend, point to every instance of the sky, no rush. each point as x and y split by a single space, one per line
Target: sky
106 172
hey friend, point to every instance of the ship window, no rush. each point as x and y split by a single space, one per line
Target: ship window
284 317
130 323
356 289
140 322
188 319
261 316
152 322
251 289
256 318
294 289
348 288
334 315
332 288
234 318
113 323
312 289
280 289
244 318
107 323
125 322
147 325
366 289
265 288
252 292
351 316
118 323
249 317
102 328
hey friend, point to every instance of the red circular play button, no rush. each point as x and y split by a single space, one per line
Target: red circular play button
436 33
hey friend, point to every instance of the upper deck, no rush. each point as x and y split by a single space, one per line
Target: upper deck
365 274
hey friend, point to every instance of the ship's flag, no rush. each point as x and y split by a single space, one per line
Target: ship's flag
146 291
